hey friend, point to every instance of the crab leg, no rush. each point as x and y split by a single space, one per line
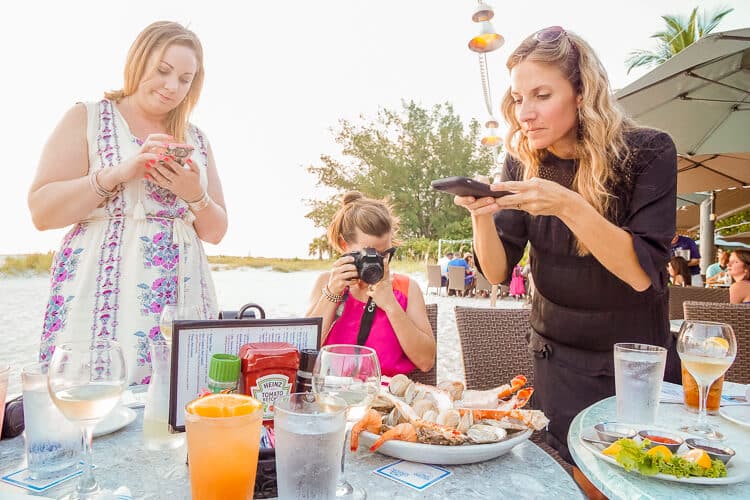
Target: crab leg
518 400
506 390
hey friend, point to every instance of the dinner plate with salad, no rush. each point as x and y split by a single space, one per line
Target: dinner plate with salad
669 458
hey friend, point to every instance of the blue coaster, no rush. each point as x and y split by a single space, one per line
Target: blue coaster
21 478
414 475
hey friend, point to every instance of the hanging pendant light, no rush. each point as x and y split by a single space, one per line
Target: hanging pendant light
491 122
487 40
491 138
483 12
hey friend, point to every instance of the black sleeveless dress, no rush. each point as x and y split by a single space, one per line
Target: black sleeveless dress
580 309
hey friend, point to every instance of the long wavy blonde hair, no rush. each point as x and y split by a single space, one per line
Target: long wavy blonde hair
156 38
601 123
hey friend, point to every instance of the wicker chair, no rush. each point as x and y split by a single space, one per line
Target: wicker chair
737 315
434 279
457 279
429 377
481 284
494 345
679 294
483 332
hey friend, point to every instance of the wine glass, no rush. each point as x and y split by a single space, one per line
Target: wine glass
707 350
351 372
85 380
174 312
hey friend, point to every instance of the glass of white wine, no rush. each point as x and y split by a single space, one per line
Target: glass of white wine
173 312
85 380
707 350
351 372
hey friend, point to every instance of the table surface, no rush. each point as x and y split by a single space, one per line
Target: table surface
525 472
616 483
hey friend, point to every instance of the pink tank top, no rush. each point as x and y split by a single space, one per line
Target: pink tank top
382 336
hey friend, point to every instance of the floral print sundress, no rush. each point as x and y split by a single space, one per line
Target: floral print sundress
115 270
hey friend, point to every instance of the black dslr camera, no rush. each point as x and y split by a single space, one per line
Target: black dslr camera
369 264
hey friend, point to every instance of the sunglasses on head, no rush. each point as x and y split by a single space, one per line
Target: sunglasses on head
550 34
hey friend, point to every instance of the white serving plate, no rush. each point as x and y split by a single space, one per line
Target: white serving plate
740 415
444 455
114 421
737 469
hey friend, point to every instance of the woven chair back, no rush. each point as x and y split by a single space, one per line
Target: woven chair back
494 344
736 315
679 294
429 377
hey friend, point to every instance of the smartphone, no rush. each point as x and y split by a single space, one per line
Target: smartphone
463 186
179 151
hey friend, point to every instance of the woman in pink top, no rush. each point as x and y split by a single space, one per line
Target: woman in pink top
400 331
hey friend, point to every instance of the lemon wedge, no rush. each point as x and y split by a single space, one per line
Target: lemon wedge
612 450
718 343
698 457
224 405
662 450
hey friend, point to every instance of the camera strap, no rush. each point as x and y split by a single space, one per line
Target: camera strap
365 325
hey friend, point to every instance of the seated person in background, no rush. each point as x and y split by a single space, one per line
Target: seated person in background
400 332
468 273
685 247
739 269
717 272
679 274
443 263
469 258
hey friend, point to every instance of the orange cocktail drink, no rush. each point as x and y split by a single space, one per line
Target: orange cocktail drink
223 438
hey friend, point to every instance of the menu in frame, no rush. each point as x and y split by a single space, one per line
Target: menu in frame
194 342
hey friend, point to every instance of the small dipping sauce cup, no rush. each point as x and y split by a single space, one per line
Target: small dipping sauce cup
612 431
713 449
671 441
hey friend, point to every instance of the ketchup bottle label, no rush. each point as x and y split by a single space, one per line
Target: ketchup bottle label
268 389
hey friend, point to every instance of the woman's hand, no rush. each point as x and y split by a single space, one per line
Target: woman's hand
342 274
382 292
135 166
536 196
477 206
183 181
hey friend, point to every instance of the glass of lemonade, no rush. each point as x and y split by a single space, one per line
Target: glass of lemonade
639 370
707 350
223 438
351 372
85 380
310 431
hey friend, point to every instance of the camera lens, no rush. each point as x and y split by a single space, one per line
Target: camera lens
371 273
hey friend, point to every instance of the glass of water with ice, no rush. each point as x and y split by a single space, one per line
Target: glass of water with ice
53 445
639 371
310 430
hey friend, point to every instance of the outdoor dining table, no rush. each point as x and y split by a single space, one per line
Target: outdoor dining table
121 460
617 483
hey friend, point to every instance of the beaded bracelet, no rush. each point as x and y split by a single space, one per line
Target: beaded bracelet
332 297
200 203
98 188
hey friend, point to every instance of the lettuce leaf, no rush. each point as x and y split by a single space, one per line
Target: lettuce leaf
633 457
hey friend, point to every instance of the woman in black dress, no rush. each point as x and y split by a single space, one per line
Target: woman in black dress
595 197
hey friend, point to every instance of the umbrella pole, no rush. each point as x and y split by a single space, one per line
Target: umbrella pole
707 223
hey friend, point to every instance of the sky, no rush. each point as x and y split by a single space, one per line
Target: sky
279 77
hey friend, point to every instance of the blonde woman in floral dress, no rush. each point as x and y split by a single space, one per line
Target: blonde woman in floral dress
137 216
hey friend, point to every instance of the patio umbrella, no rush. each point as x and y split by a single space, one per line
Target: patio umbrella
726 202
701 97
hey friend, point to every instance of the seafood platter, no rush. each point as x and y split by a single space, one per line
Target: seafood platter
447 424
